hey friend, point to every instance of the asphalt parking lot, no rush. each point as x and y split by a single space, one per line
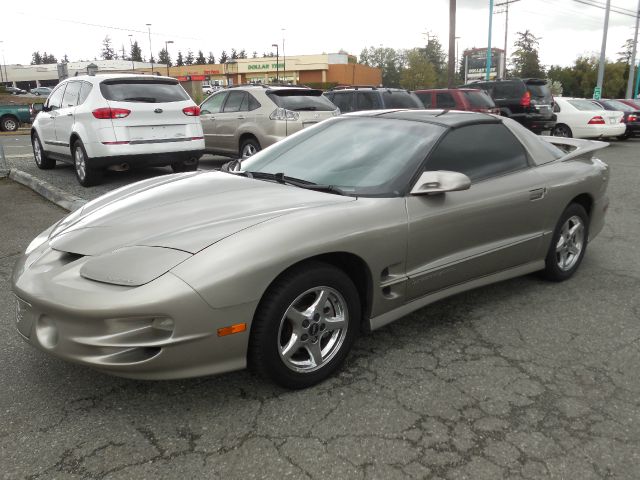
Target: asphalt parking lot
520 380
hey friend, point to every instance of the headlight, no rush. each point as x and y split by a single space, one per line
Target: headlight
132 266
39 240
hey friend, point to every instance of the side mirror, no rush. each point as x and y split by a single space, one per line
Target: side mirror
441 181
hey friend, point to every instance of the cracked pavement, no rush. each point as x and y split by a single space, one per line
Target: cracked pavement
520 380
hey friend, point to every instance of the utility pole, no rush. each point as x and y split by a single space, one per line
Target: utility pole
150 49
505 4
284 59
632 64
488 66
452 44
603 50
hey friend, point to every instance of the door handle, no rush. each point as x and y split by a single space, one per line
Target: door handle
69 114
241 118
537 194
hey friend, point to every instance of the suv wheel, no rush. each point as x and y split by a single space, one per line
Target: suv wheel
249 147
9 124
42 161
562 130
86 175
188 165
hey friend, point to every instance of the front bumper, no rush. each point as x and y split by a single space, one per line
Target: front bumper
160 330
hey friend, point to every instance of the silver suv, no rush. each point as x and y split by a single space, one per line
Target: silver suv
241 120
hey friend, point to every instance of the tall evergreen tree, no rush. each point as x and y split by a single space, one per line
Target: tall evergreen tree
211 59
525 58
107 50
242 54
164 57
136 52
189 58
179 59
234 54
254 54
200 60
223 57
36 58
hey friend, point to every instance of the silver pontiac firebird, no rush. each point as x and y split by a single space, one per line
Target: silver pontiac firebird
280 262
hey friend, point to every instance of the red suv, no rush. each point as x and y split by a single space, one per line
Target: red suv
471 99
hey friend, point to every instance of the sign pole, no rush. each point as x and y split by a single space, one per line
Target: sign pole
488 72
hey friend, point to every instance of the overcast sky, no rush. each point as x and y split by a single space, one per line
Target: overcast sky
77 27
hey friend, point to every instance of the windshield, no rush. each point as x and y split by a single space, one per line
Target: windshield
145 91
584 105
364 156
619 106
539 91
301 99
401 99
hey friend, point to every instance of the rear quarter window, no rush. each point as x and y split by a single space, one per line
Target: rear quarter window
479 99
301 99
401 99
143 91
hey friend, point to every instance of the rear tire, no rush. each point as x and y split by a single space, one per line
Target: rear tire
568 244
249 147
189 165
562 130
623 137
42 161
86 175
9 124
304 325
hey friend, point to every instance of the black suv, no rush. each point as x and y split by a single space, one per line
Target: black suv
526 100
356 98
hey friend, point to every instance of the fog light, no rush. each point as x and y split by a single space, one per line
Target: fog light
47 332
163 323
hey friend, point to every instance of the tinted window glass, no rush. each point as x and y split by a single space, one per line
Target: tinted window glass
363 156
539 92
584 105
253 103
508 90
616 105
146 91
425 98
445 100
479 151
234 102
70 98
213 103
400 99
301 99
344 101
55 99
479 99
368 101
84 92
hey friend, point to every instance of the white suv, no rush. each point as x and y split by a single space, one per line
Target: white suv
117 121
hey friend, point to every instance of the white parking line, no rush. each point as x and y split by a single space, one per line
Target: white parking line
24 155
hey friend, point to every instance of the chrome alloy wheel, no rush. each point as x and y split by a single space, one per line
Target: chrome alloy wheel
10 125
313 329
570 243
248 150
80 163
37 151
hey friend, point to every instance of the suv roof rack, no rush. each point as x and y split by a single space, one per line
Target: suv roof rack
355 87
267 85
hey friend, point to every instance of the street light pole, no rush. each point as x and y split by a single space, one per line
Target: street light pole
284 58
277 62
133 66
451 67
488 67
166 51
632 64
150 49
603 49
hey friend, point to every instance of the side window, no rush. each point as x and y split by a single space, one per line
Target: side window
253 103
344 101
70 98
425 98
55 99
234 102
368 101
445 100
213 103
84 92
479 151
329 95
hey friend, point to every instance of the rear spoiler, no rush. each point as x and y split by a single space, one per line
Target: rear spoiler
575 147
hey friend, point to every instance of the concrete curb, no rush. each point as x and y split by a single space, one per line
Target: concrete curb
54 194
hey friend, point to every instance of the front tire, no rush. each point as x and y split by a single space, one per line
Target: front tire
305 325
42 161
9 124
562 130
87 176
249 147
568 244
189 165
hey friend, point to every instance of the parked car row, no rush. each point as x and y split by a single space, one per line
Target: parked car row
37 91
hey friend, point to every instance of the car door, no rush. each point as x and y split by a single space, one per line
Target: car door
227 121
208 113
66 113
495 225
47 121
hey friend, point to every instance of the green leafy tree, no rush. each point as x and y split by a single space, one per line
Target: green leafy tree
164 57
242 54
211 59
525 60
624 55
47 58
108 53
200 59
254 54
179 59
388 60
136 52
419 71
436 55
234 54
223 57
36 58
188 60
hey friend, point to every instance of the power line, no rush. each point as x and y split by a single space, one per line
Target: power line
628 13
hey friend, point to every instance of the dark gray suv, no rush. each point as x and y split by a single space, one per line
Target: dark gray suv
354 99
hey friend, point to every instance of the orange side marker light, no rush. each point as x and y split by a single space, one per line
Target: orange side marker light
230 330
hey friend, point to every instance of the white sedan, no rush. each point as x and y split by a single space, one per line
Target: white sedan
581 118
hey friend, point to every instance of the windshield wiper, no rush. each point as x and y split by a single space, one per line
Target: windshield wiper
296 182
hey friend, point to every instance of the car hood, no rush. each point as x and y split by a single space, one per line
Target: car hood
186 212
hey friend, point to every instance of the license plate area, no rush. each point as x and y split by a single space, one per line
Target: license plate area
612 121
156 132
